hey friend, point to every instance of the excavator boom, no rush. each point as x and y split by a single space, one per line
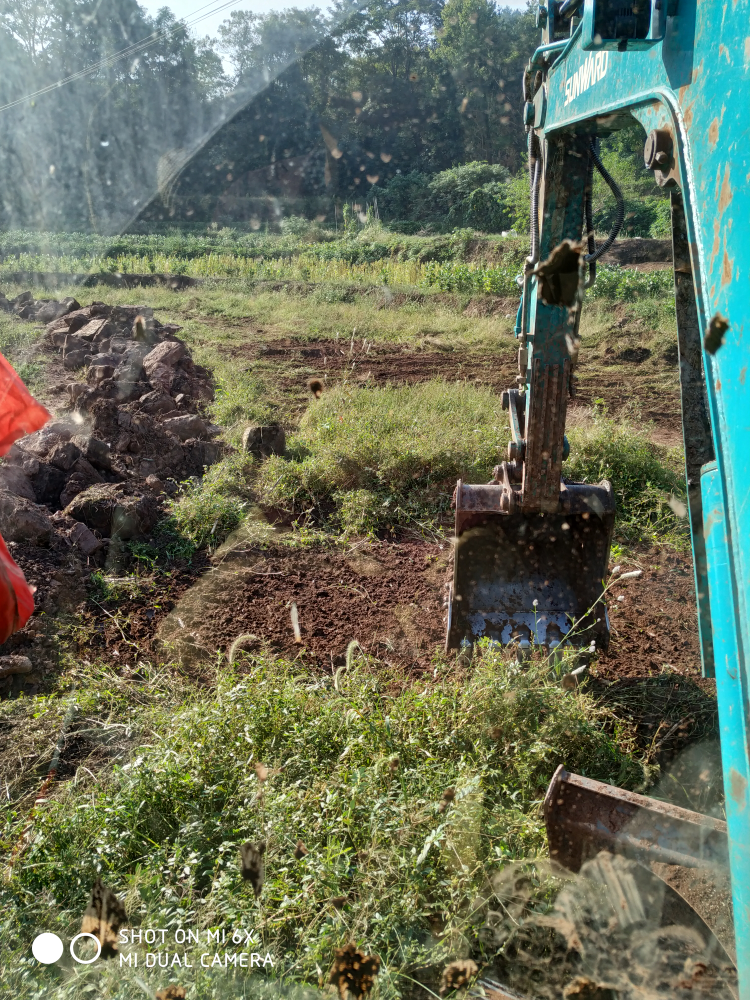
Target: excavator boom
531 550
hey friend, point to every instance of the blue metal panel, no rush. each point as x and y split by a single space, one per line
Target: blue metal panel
731 691
696 83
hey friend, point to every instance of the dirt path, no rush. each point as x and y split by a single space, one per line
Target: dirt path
622 384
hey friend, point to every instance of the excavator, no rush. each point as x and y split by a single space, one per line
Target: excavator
531 550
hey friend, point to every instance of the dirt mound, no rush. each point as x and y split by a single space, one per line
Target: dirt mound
639 251
129 430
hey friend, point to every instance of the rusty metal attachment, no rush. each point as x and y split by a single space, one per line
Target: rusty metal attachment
589 822
584 816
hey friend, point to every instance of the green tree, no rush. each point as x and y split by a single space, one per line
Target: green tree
486 49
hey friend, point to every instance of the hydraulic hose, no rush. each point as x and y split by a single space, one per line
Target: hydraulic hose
619 217
590 237
535 164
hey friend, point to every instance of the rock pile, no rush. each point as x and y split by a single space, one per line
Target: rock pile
133 407
131 429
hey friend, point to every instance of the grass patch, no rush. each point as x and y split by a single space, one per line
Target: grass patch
647 479
357 771
208 509
371 458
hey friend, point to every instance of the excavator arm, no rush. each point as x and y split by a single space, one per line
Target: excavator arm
531 551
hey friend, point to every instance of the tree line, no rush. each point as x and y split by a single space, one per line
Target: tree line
310 104
113 119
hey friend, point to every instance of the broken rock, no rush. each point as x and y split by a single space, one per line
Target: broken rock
185 426
48 483
168 353
97 373
15 665
106 508
134 516
95 506
23 521
75 359
266 440
93 330
15 481
64 455
156 402
85 539
94 451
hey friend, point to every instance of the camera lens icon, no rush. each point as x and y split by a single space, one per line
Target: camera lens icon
47 948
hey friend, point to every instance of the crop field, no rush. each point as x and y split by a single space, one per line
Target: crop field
368 256
265 663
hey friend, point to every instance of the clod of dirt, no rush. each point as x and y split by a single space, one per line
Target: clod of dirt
103 918
715 334
156 402
353 972
10 665
171 993
583 988
448 796
252 866
457 975
300 851
109 510
23 521
15 481
85 539
188 425
264 440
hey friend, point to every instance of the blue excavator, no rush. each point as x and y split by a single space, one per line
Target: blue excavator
531 550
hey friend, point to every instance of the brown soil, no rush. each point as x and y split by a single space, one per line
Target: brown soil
639 251
330 360
387 596
122 630
655 625
295 362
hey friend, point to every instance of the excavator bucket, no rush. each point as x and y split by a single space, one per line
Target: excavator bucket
530 578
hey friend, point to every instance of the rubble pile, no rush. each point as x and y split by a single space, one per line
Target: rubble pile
131 428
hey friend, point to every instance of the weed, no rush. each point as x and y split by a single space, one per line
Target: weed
356 772
377 458
644 477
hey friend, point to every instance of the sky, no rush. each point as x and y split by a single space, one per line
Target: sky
205 17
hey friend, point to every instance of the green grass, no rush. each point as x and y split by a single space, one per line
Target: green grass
357 771
366 460
372 458
360 244
449 276
207 510
644 477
